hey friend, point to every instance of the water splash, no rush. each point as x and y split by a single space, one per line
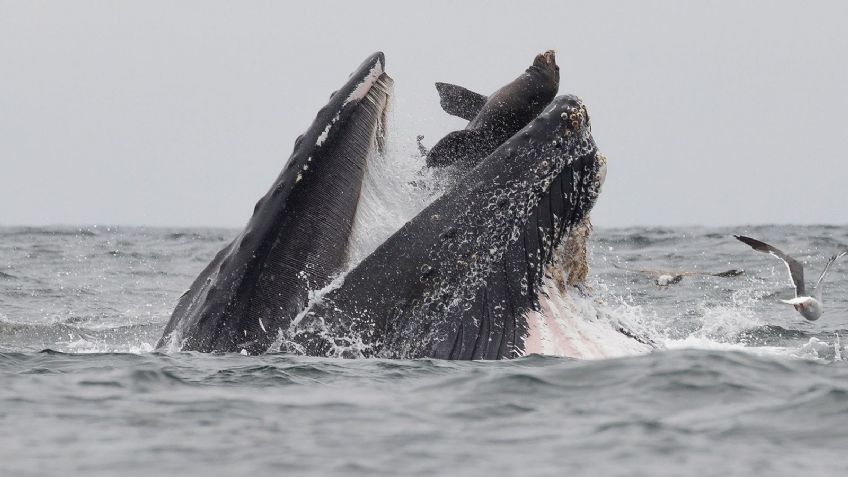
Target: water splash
395 188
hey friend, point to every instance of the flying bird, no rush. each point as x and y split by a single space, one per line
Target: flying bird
664 278
808 305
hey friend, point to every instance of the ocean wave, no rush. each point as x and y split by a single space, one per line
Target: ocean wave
48 231
192 236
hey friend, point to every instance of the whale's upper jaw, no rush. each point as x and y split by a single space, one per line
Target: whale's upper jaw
575 113
557 190
565 118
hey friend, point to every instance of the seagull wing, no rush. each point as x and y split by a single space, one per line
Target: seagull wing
727 273
827 266
796 270
638 270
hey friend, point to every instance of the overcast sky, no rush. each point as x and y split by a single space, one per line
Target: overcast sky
183 113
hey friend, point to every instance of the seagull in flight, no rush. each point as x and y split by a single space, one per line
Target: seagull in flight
664 278
809 305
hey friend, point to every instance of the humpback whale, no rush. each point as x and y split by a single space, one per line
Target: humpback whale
297 238
493 119
459 280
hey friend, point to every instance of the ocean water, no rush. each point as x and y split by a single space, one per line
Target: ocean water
739 383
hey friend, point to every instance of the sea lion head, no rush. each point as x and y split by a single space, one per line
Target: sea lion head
545 59
545 65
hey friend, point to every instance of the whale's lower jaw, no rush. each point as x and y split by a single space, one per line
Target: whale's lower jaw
298 237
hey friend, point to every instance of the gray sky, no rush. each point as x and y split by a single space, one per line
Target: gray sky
183 113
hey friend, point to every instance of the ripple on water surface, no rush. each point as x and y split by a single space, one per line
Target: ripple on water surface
666 413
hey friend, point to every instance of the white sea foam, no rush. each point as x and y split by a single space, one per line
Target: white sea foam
85 346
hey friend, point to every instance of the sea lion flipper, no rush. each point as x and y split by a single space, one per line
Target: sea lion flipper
458 101
462 146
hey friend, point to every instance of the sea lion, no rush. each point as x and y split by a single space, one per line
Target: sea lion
495 119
